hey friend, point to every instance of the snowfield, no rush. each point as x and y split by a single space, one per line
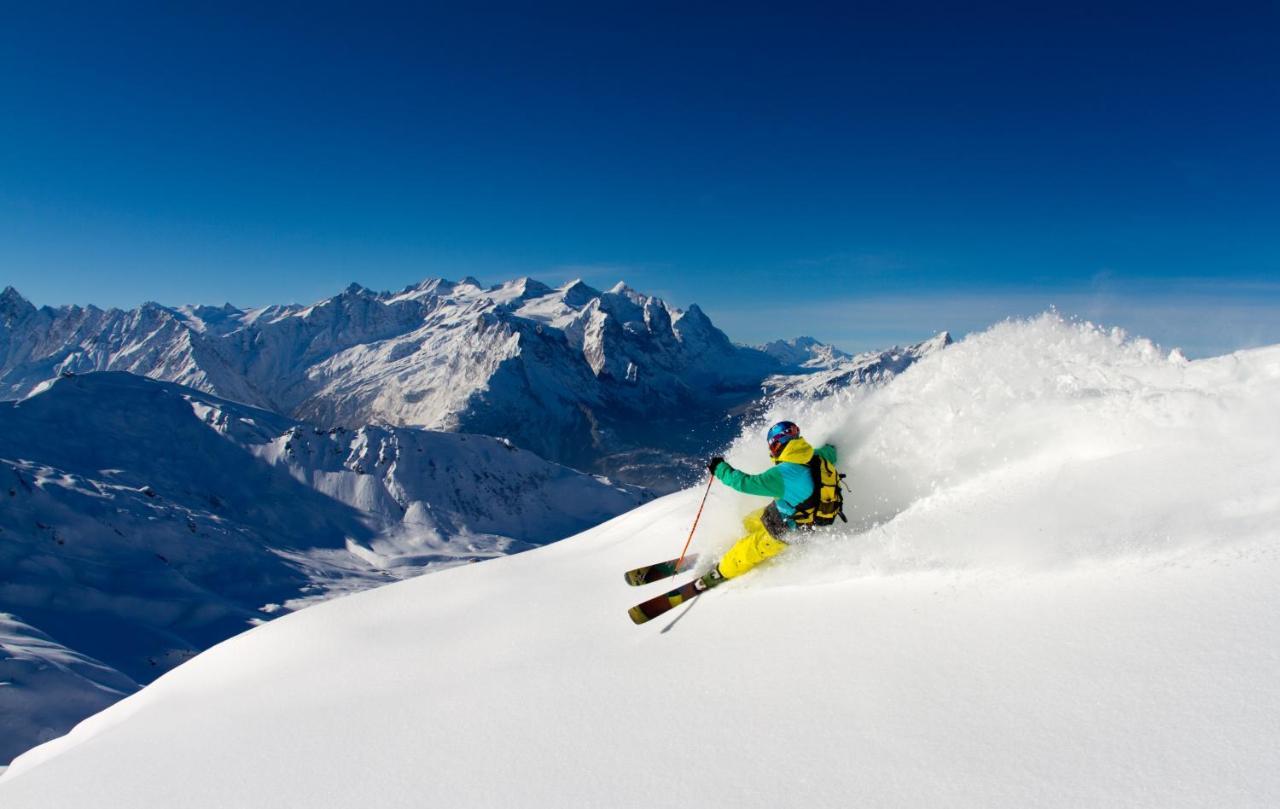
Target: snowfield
1057 588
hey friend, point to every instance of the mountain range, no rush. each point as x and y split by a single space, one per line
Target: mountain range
616 382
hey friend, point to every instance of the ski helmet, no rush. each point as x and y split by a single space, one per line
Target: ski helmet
780 434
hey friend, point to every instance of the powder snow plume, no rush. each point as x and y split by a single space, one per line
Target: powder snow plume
1042 442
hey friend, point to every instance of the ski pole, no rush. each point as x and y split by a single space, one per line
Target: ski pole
697 517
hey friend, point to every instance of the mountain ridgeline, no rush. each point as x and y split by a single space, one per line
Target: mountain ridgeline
614 382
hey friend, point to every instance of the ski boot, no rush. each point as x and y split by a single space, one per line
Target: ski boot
711 579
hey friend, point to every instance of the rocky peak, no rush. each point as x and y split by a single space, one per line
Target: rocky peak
522 289
430 286
13 307
695 321
577 294
657 317
699 335
804 352
624 292
153 313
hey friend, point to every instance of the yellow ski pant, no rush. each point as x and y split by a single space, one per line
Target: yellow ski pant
757 546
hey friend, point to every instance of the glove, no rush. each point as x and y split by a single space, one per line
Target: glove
713 463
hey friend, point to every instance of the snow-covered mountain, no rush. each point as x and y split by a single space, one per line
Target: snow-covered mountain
144 521
1057 589
804 352
842 371
615 382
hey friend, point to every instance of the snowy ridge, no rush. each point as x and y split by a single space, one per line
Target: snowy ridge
1056 589
46 688
804 352
579 376
841 372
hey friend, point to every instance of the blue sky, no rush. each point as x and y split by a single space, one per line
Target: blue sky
911 167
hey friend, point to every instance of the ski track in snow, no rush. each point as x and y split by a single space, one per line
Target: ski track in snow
1057 589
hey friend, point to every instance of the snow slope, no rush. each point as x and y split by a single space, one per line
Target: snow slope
46 688
144 521
1057 589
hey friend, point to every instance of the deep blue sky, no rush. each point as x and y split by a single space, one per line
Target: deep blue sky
924 166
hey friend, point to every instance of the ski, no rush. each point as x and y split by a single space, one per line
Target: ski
659 570
654 607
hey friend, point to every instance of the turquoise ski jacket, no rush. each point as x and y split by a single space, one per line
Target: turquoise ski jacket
788 482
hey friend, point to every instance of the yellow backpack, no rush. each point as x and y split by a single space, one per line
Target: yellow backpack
827 501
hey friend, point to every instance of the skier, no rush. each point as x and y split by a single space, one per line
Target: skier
805 487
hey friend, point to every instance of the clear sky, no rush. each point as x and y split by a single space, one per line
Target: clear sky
866 173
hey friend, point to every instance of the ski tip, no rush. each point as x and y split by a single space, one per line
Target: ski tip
659 571
637 615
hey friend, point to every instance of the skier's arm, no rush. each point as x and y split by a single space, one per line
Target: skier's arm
828 453
767 483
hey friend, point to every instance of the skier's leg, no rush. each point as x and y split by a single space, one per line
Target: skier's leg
757 546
